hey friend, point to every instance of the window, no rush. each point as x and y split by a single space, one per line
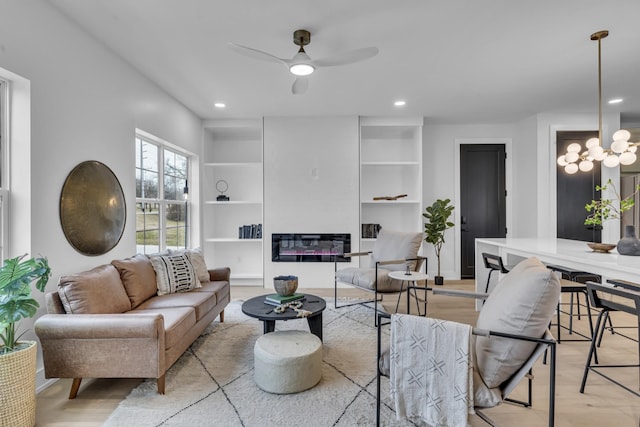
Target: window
4 193
161 204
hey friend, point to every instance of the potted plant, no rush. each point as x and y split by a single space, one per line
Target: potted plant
436 224
18 358
604 209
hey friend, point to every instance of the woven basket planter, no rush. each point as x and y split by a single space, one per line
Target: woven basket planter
18 387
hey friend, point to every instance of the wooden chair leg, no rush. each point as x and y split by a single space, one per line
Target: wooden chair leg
161 383
75 386
222 316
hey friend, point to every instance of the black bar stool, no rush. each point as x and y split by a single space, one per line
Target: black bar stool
573 283
493 263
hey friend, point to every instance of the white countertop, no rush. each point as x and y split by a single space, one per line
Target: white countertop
571 253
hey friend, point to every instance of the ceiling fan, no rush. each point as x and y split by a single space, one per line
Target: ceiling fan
301 65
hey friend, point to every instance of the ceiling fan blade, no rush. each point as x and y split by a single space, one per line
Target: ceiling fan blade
300 85
348 57
256 54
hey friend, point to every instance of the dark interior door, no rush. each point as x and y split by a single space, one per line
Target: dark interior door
575 191
483 210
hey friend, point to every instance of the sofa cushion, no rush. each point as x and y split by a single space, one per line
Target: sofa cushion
395 245
174 273
138 277
219 287
365 278
178 321
522 303
202 302
97 291
197 260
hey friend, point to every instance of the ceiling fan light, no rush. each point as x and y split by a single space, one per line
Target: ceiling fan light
628 158
562 162
301 69
301 65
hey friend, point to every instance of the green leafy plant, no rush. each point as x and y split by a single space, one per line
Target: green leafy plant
16 303
604 209
436 224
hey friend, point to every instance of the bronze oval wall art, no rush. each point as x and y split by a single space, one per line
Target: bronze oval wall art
92 208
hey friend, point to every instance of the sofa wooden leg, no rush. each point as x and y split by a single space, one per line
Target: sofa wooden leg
161 384
75 386
222 316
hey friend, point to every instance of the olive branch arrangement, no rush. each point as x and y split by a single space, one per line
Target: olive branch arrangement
604 209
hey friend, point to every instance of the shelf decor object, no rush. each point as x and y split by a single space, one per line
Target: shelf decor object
222 186
621 152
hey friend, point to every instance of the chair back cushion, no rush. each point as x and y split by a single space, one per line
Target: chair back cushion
522 303
393 245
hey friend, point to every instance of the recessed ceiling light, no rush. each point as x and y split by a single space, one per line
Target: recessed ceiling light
400 103
615 101
219 105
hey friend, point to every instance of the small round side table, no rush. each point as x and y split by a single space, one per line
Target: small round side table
413 276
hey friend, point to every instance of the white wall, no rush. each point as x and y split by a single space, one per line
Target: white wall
311 171
85 105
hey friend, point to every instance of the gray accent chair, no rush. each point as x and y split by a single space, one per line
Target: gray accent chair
392 250
511 333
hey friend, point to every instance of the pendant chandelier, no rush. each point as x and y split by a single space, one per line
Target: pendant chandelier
621 152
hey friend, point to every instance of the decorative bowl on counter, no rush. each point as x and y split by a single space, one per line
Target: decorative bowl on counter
601 247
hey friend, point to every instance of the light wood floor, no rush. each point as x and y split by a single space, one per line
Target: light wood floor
602 404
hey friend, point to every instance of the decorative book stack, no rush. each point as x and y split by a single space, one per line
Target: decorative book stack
275 299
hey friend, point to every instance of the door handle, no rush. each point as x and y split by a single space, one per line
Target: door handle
463 219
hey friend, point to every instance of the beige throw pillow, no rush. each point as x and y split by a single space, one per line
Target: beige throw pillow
174 273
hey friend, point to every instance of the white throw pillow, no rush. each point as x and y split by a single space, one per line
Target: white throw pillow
522 303
174 273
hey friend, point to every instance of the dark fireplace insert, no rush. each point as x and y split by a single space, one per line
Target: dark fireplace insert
310 247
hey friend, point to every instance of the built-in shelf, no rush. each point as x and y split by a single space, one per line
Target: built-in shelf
232 152
231 240
233 202
390 165
390 202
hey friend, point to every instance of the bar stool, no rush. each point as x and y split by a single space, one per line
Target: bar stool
493 263
616 295
572 283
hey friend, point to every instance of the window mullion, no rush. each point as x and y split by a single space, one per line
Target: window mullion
162 204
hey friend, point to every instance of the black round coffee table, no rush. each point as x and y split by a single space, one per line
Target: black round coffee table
255 307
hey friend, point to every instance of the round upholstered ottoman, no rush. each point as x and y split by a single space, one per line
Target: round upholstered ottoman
287 361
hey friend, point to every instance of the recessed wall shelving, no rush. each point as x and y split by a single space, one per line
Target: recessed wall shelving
232 152
390 165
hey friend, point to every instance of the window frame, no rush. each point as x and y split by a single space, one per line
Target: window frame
4 168
163 203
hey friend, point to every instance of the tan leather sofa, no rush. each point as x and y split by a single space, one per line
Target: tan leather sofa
109 323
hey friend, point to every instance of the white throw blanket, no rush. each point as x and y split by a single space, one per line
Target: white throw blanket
431 377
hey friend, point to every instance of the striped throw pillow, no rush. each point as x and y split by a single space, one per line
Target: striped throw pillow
174 273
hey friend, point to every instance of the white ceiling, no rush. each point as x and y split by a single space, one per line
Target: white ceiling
456 61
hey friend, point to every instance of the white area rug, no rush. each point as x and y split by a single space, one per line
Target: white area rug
212 383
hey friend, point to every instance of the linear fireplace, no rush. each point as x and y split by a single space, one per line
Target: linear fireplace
310 247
